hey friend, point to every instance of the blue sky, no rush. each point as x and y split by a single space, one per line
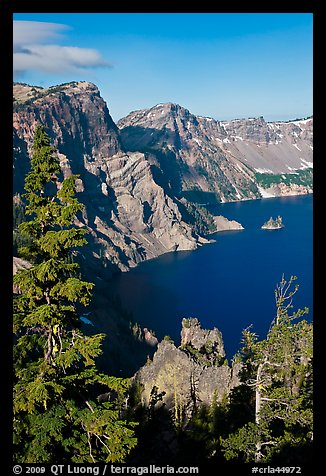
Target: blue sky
215 64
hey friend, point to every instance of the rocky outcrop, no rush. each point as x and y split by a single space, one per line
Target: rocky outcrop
189 375
184 154
129 216
222 160
223 224
209 343
137 180
273 224
149 337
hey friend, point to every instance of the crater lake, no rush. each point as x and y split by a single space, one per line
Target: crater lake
228 284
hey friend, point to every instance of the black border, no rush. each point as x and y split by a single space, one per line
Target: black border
6 18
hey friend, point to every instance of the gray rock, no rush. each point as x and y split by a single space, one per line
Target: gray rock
221 157
208 342
129 216
223 224
187 381
131 177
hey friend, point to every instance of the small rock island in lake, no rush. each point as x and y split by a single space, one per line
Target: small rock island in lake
273 224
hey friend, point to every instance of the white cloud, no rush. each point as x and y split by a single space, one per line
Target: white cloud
33 50
29 32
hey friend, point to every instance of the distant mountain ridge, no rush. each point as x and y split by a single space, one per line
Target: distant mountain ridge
140 177
235 160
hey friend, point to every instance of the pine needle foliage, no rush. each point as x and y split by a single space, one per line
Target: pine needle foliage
57 413
279 373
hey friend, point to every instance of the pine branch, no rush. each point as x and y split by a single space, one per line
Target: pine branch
89 406
275 400
102 442
90 446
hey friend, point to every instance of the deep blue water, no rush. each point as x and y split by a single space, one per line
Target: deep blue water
229 284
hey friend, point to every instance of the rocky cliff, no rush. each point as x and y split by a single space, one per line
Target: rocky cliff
139 179
191 374
129 215
206 159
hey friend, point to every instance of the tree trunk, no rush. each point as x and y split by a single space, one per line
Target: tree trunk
258 453
50 346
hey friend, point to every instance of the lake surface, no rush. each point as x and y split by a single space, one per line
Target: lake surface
229 284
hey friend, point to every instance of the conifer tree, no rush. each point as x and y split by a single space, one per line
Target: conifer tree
278 370
57 415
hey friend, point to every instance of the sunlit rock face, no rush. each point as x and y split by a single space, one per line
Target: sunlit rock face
129 215
136 177
191 374
233 160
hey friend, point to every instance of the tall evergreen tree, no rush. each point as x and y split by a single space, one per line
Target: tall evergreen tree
57 415
278 370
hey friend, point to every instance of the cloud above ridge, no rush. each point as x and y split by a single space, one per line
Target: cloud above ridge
35 48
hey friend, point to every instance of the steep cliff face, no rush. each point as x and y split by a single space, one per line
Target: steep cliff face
129 215
240 159
184 156
135 179
279 153
191 374
272 147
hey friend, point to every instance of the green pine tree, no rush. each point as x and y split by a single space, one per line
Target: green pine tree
57 413
19 216
278 370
